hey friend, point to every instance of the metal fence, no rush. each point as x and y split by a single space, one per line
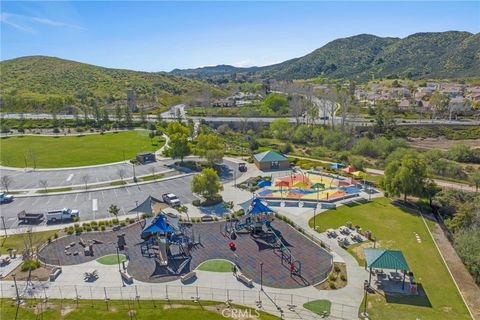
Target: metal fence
283 305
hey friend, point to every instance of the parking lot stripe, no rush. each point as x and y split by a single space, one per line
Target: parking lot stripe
94 205
70 177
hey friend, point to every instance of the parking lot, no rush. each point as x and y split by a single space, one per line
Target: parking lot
67 177
94 204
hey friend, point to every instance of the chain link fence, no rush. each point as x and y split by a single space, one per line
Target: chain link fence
283 305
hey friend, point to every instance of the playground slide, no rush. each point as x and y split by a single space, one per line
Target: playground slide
162 252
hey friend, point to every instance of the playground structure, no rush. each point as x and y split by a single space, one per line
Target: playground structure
312 186
160 235
258 222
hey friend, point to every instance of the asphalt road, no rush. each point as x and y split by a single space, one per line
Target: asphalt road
168 116
29 179
94 204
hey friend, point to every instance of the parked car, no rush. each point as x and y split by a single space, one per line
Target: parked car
171 199
5 198
63 214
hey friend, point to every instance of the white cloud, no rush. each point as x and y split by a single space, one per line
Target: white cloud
26 23
243 63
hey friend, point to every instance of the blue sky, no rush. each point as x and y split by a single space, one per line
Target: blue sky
161 36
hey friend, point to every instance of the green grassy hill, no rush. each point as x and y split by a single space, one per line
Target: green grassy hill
48 84
451 54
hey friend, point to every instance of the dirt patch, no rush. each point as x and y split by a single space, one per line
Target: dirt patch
336 280
470 291
442 143
358 249
41 274
179 306
66 310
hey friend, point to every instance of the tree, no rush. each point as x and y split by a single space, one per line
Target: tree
439 103
105 116
207 183
6 181
151 135
280 128
276 103
121 173
143 116
85 179
384 120
179 147
43 184
406 176
113 209
118 114
128 117
430 189
211 147
177 128
475 178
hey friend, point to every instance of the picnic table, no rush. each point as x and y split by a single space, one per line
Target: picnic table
396 276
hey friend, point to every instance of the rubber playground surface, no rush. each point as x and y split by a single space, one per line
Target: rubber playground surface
250 252
311 186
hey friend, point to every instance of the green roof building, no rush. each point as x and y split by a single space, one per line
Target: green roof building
271 160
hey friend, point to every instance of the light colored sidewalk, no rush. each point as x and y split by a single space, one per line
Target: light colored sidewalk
206 286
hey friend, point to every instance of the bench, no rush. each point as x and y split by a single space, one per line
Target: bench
206 218
244 279
187 276
82 243
128 278
55 273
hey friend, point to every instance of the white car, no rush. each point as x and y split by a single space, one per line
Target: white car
171 199
60 215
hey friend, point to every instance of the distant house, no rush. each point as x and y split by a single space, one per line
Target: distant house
404 104
475 97
459 104
271 160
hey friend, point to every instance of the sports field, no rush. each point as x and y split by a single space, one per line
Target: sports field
75 151
395 228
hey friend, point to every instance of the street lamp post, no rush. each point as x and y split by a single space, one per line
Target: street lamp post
134 176
16 287
4 227
119 269
136 206
261 276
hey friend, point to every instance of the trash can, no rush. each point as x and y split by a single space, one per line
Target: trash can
413 288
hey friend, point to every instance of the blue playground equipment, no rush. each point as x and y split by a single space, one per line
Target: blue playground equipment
259 216
159 234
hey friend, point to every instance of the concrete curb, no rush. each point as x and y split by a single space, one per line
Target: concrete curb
104 188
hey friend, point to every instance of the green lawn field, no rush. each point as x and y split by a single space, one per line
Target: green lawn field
318 306
111 259
96 309
216 265
395 228
73 151
17 241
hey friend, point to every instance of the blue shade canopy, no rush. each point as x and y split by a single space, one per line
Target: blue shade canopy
258 207
385 259
264 183
337 166
159 225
